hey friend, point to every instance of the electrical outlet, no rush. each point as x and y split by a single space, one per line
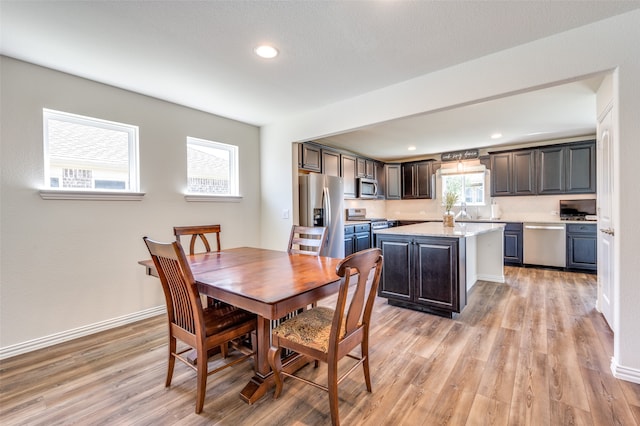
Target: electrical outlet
285 213
554 212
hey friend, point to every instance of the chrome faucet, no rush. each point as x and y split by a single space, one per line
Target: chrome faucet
462 214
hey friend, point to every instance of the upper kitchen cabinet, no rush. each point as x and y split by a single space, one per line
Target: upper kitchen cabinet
513 173
310 157
365 168
349 175
567 169
393 181
379 175
416 180
330 162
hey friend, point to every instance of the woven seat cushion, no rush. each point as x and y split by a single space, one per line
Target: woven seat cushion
217 319
310 328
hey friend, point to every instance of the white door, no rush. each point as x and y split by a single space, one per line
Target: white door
606 254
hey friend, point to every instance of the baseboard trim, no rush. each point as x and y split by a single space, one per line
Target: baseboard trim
492 278
625 373
64 336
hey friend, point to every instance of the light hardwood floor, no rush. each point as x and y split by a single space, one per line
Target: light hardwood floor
533 351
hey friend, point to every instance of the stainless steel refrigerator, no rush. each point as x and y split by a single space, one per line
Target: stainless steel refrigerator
322 204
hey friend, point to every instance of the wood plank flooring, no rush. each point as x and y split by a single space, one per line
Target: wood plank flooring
533 351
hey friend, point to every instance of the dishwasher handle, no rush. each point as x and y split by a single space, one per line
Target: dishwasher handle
550 227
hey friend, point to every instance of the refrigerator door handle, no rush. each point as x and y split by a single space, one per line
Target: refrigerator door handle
327 211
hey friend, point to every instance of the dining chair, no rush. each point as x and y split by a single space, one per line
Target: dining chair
307 239
198 231
200 329
328 335
201 231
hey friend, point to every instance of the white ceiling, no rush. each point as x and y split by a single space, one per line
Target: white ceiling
200 54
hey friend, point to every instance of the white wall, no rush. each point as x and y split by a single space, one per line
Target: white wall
68 264
595 48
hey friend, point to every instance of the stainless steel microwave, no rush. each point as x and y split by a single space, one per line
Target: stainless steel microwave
367 188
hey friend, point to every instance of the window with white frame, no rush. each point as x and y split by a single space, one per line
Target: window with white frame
468 185
212 168
89 154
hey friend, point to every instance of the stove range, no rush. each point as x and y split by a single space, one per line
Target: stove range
360 214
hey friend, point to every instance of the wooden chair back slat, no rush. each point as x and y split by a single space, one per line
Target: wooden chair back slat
199 231
307 239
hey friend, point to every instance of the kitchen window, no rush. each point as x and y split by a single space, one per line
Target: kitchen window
212 169
90 156
469 184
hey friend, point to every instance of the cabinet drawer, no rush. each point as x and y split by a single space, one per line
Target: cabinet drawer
513 226
573 228
363 228
349 229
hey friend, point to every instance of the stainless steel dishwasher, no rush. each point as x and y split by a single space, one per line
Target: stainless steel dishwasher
545 244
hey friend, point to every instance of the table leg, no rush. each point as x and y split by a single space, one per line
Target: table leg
263 380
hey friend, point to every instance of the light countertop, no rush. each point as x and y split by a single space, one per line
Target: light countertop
436 229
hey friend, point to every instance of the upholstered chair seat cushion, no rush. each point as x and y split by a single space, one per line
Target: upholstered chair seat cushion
309 328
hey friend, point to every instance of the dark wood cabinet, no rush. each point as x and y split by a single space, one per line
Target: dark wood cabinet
349 176
330 162
513 173
423 273
379 175
393 181
309 157
580 168
356 238
553 169
416 180
582 247
365 168
513 244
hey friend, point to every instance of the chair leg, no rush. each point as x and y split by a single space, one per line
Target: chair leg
275 361
365 364
332 385
224 350
201 386
171 362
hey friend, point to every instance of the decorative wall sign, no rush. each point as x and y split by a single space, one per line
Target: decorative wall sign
467 154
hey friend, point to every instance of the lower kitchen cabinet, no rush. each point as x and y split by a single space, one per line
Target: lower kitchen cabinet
423 273
582 243
356 238
513 244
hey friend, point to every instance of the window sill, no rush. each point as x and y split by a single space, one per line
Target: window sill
56 194
213 198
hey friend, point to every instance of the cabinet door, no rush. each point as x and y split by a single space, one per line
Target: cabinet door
581 168
311 157
551 170
524 172
349 176
582 251
423 180
408 181
393 177
349 247
395 282
362 241
370 169
361 167
379 175
330 163
513 247
437 273
501 174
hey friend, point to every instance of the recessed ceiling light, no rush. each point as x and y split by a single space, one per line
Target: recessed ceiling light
266 51
412 148
496 136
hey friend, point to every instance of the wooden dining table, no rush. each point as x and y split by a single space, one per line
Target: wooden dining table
269 283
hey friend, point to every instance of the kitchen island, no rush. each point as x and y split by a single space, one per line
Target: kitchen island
429 267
